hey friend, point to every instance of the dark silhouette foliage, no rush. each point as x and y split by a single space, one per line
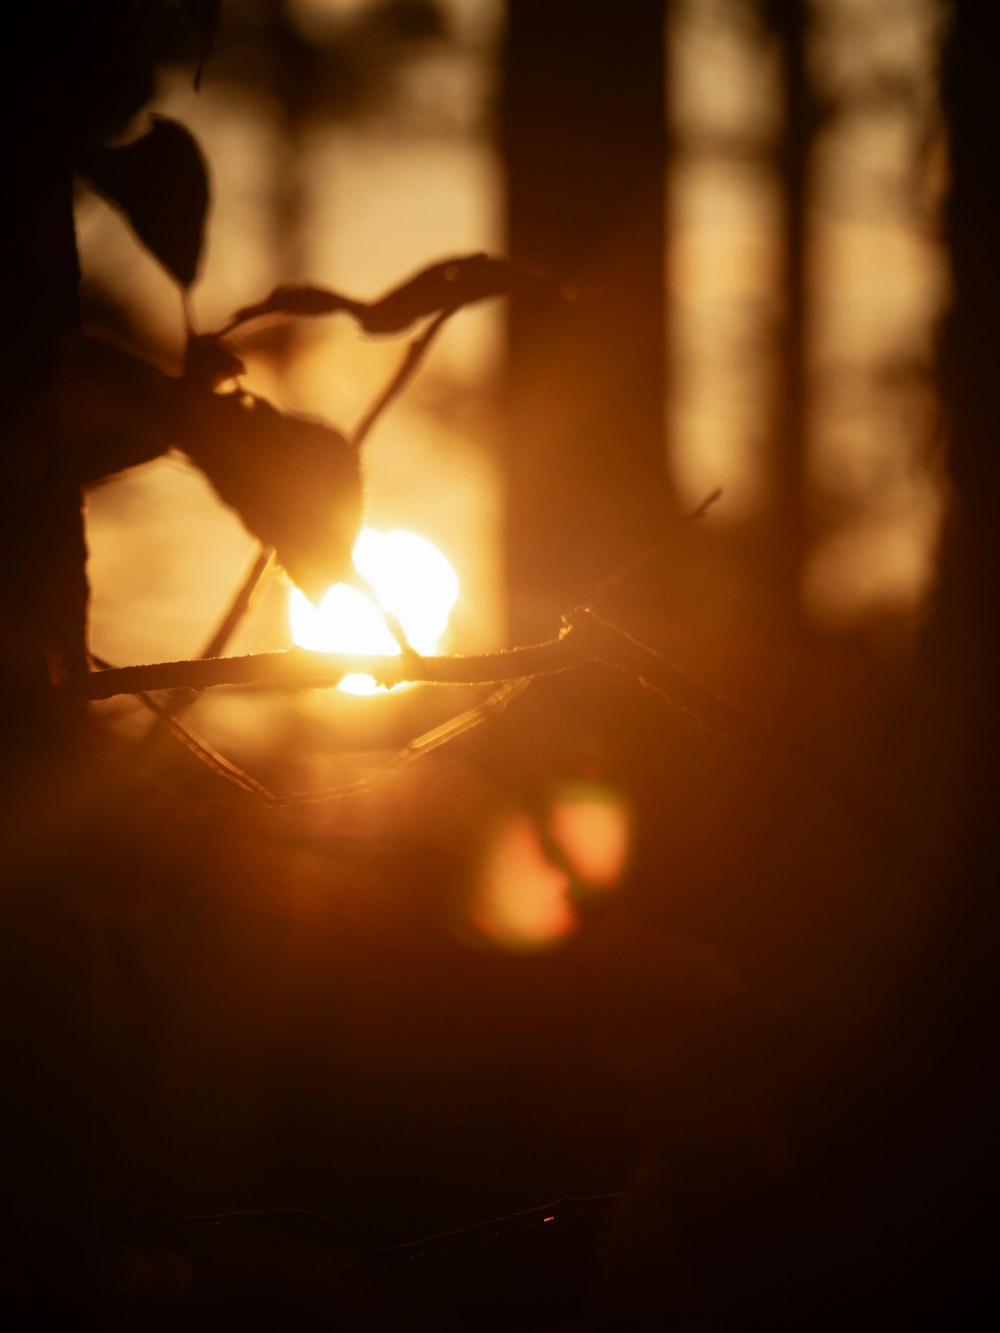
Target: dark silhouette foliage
295 482
449 285
160 183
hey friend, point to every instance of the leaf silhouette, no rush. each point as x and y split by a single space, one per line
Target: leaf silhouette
108 410
297 301
160 182
294 481
448 285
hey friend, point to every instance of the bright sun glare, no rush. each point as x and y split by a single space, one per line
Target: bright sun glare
413 580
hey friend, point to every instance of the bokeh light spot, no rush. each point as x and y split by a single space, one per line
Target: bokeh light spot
521 900
592 827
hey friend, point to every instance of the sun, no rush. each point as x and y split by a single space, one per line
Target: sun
413 581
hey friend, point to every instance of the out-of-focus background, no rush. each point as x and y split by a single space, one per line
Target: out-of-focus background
741 205
349 145
590 947
761 299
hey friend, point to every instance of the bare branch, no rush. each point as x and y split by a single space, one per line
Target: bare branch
585 637
196 745
181 700
240 604
414 750
642 557
408 367
297 668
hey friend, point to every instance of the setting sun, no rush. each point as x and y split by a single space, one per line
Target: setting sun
413 581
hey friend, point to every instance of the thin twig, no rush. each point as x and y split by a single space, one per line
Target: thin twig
585 637
559 1210
298 668
241 604
418 748
415 353
717 714
181 700
187 313
415 749
210 756
199 747
635 561
392 622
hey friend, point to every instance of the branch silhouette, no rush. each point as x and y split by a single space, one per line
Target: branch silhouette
585 637
299 668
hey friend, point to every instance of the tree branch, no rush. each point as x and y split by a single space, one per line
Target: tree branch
297 668
585 637
408 367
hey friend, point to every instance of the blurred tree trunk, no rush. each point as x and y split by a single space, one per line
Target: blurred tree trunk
584 134
43 595
935 1084
42 614
789 20
963 654
84 71
956 795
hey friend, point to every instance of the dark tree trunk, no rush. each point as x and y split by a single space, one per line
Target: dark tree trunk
956 794
789 517
963 650
935 1086
43 595
82 71
585 142
42 625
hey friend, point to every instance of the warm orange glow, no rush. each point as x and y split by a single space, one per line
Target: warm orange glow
592 827
413 581
521 899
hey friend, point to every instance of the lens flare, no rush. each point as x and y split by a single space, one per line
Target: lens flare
521 900
535 875
592 826
413 581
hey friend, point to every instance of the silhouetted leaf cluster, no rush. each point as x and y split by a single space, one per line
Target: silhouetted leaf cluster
160 182
449 285
294 481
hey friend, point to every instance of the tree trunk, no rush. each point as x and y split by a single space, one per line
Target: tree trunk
789 516
955 790
585 141
83 70
935 1086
